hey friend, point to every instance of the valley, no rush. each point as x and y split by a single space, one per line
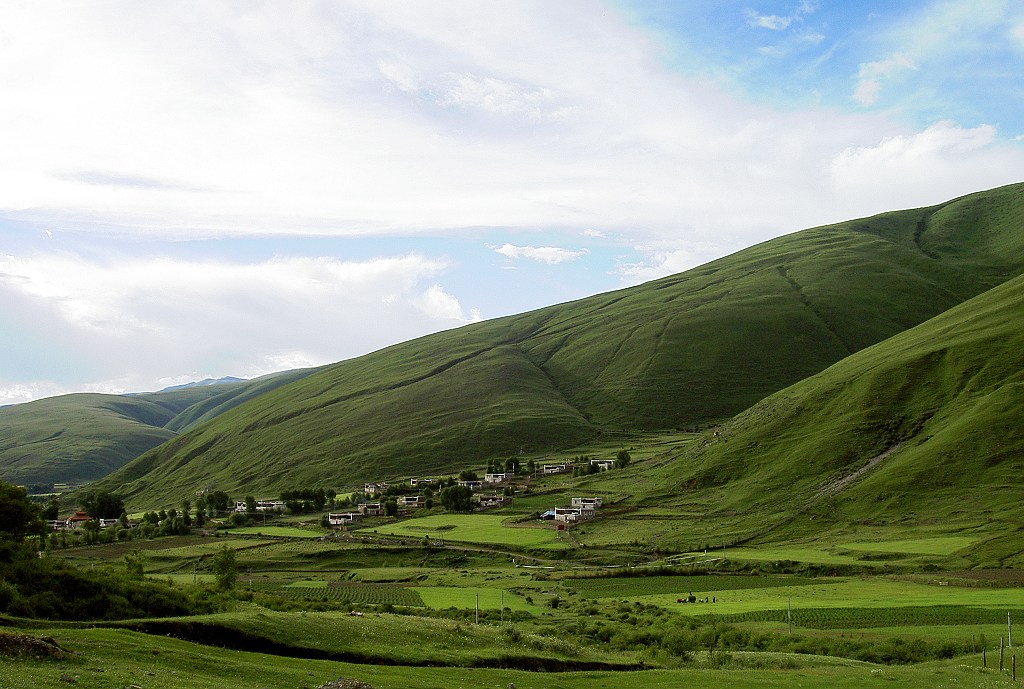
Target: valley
797 465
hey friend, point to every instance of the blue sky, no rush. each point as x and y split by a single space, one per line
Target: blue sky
195 189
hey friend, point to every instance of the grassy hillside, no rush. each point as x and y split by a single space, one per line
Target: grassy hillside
83 437
923 428
683 351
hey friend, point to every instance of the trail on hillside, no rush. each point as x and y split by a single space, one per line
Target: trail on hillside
831 488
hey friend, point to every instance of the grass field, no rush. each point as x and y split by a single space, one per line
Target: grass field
105 659
489 598
483 529
938 545
865 593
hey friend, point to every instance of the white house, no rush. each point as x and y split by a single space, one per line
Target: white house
557 468
343 518
592 503
488 501
375 488
410 501
472 485
603 464
371 509
497 478
573 514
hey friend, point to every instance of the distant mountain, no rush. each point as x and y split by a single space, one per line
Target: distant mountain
204 383
83 437
681 352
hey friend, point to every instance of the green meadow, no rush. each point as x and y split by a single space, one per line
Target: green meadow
482 529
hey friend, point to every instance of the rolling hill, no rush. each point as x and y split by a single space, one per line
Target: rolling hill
684 351
84 436
923 428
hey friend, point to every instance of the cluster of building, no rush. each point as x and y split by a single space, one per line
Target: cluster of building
261 506
569 467
76 520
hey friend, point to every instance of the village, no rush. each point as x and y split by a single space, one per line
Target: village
466 492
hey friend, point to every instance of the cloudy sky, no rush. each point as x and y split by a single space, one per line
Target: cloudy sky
197 189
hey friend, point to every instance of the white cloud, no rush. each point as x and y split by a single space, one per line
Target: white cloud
439 305
552 255
922 168
870 75
660 263
768 21
151 320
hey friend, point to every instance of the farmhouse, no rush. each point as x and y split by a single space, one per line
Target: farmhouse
593 503
375 488
603 464
497 478
472 485
489 501
76 520
573 514
410 501
343 518
371 509
563 468
417 482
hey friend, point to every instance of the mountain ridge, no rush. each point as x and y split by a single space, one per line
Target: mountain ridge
683 351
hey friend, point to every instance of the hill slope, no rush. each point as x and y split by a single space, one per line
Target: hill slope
928 425
682 351
83 437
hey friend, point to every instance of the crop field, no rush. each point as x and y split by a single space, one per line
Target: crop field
937 545
629 587
485 529
873 593
370 594
210 547
892 618
277 531
440 597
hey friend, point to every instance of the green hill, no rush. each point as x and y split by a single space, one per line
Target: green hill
925 427
82 437
684 351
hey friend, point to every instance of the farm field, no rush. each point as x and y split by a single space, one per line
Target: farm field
440 597
871 593
938 545
484 529
278 531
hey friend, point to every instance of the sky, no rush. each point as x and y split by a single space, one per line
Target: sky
212 188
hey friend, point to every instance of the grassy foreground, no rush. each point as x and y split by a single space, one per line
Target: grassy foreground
109 658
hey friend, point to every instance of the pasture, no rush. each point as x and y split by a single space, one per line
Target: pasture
482 529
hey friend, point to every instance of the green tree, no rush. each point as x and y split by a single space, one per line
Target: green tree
52 510
217 501
102 505
135 564
19 516
250 504
457 498
390 508
225 568
622 459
